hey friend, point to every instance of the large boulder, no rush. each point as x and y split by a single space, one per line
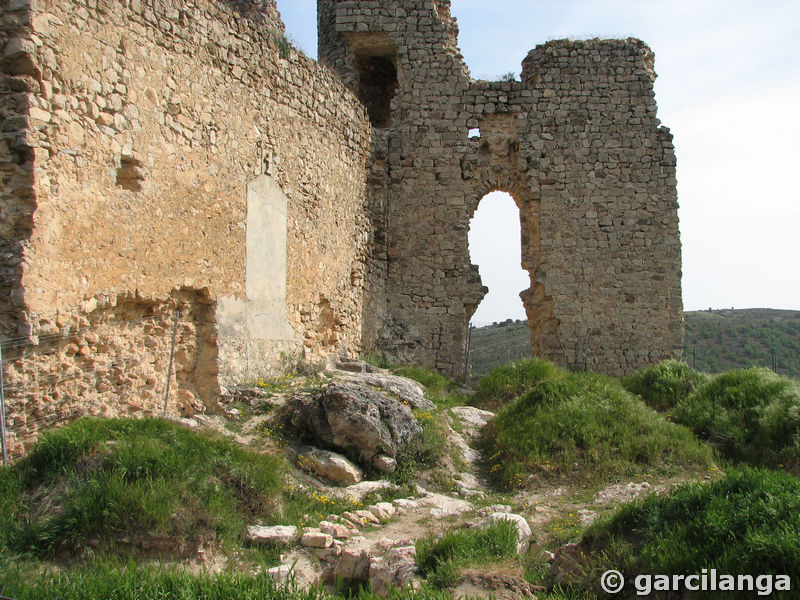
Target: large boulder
356 420
333 467
406 390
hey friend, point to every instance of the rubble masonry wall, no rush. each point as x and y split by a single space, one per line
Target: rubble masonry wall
132 132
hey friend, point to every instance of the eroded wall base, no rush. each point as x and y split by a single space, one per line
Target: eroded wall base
113 361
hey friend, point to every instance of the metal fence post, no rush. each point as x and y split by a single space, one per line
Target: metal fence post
171 356
3 410
468 349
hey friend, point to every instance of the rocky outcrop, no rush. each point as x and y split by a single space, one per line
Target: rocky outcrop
395 569
345 548
355 419
472 420
383 565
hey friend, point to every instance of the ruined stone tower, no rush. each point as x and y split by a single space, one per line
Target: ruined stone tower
578 146
178 182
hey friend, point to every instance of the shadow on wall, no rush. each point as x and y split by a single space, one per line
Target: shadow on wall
19 77
256 10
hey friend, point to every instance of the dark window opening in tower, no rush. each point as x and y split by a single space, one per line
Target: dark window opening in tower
377 82
494 245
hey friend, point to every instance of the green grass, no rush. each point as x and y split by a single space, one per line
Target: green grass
716 341
663 385
431 447
88 487
440 390
588 427
750 416
498 344
93 482
440 560
113 582
721 340
108 580
507 382
427 451
746 523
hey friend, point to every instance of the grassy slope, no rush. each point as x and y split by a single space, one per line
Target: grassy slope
721 340
746 523
101 497
580 426
495 345
587 427
96 482
101 479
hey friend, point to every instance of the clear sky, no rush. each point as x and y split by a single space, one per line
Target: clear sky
728 88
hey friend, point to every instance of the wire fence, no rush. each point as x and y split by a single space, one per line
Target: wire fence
482 355
112 366
716 361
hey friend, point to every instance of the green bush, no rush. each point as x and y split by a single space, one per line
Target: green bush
751 415
506 382
439 560
587 426
95 481
745 523
663 385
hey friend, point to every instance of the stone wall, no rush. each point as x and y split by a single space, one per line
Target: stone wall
576 143
151 141
178 155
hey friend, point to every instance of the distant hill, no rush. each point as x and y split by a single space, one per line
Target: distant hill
734 339
498 344
716 341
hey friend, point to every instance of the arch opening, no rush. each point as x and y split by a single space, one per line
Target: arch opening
495 246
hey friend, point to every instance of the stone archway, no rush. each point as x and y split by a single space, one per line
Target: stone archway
495 247
497 164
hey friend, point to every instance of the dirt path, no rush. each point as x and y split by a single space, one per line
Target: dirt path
379 544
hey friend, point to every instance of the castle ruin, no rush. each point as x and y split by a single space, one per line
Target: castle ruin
175 170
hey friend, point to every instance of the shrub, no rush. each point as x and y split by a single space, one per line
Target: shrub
506 382
751 415
663 385
746 523
428 449
588 426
